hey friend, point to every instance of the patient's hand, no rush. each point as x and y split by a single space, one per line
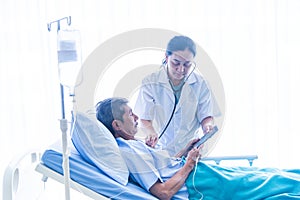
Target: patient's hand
151 140
187 148
193 155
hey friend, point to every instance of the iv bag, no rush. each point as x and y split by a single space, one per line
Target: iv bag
69 58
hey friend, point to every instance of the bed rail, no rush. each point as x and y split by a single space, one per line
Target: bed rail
218 159
48 173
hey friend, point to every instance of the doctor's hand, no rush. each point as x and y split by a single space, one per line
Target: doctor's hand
151 139
207 124
207 128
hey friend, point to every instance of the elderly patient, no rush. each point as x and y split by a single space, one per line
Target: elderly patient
182 176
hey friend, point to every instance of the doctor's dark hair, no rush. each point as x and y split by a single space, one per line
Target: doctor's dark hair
180 43
109 110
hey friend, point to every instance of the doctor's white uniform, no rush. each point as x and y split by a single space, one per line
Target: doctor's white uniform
156 101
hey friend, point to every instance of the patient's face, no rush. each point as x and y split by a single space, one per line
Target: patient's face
129 124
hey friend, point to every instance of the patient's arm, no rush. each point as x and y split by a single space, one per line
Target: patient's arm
168 189
152 137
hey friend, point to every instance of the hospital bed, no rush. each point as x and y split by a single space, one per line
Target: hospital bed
85 178
93 180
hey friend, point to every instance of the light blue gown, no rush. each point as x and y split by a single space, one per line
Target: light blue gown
210 182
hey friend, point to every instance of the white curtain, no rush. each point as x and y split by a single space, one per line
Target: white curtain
253 44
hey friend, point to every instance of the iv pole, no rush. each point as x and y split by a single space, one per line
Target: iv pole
64 123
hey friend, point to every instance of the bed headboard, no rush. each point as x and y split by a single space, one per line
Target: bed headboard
17 174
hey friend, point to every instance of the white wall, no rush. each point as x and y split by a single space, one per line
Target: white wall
253 44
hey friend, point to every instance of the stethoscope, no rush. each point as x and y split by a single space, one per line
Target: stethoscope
165 66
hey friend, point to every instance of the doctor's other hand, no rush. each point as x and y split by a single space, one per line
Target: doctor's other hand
151 140
207 128
207 124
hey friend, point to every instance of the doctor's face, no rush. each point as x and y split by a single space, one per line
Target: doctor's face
129 124
179 65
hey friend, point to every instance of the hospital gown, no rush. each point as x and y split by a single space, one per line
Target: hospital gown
210 182
147 165
156 101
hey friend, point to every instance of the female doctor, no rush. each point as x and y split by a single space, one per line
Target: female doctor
175 102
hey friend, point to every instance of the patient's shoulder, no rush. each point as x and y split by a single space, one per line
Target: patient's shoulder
132 145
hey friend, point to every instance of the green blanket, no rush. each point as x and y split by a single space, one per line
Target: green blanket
242 183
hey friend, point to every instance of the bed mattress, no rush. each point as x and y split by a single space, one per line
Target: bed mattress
90 176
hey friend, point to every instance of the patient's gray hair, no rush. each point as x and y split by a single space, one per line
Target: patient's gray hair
109 110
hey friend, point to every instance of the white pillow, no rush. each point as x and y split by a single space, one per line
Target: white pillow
97 146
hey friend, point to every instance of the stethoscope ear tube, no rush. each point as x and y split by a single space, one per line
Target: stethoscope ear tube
164 130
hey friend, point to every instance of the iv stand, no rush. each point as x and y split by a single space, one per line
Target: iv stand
64 123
